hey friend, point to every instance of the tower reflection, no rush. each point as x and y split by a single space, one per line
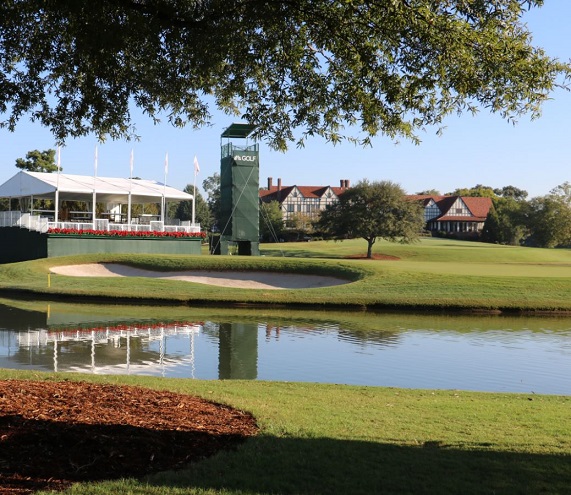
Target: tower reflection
238 351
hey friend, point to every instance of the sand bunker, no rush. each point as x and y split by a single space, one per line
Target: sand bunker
240 280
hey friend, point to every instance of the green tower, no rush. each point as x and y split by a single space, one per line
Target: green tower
239 197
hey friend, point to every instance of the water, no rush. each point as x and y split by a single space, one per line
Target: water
491 353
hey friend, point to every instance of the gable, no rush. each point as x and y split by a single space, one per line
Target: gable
431 210
466 208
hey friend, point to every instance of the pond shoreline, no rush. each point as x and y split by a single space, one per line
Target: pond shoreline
24 294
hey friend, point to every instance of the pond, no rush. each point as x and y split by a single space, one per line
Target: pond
485 353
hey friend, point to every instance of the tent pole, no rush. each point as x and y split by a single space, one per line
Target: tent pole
95 164
93 213
129 211
56 206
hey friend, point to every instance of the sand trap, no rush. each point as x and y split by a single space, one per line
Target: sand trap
240 280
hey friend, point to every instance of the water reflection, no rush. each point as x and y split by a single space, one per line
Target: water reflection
415 351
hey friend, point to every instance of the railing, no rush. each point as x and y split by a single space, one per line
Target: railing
43 224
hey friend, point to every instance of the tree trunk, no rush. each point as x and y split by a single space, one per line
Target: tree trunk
370 243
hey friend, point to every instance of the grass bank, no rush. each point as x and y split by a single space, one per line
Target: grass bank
324 439
432 274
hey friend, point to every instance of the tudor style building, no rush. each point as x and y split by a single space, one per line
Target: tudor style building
302 200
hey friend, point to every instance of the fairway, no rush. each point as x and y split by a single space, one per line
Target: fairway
533 270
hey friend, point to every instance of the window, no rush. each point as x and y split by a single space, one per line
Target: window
431 211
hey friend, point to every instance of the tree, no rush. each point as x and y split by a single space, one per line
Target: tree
511 192
507 221
38 161
381 67
201 210
211 186
376 210
271 221
478 191
550 218
429 192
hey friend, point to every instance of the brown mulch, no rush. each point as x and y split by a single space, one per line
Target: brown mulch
53 434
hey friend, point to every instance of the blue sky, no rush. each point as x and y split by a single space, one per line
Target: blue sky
533 155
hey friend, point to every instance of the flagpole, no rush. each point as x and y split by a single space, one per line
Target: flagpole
93 212
129 205
163 205
196 170
56 212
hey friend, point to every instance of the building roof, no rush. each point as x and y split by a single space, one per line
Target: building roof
43 185
275 193
479 207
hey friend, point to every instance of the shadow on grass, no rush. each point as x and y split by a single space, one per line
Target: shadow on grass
324 466
301 253
276 253
44 454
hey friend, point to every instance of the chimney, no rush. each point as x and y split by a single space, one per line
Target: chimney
342 183
347 184
270 181
279 190
279 184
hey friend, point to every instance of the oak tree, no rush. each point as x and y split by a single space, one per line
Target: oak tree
373 210
335 68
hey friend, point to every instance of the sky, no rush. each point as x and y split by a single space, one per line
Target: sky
482 149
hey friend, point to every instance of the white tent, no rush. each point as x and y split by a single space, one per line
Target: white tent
42 185
113 192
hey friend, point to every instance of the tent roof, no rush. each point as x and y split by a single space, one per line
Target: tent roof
43 185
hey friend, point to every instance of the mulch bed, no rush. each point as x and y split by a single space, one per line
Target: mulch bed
53 434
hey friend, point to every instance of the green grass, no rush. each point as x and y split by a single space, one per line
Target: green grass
329 439
432 274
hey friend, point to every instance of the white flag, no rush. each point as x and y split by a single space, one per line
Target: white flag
196 166
131 162
166 163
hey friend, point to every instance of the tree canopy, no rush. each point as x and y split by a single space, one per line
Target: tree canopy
373 210
211 186
508 220
38 161
201 210
550 218
478 191
389 67
271 221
